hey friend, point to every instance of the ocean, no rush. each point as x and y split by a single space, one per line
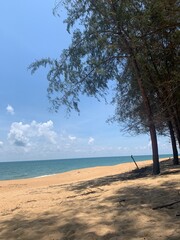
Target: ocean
41 168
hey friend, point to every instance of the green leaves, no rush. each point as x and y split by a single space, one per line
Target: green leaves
40 63
107 36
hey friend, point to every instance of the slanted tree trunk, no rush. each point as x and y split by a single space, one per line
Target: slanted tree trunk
173 141
137 70
152 129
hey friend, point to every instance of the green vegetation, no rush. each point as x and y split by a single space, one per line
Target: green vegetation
133 43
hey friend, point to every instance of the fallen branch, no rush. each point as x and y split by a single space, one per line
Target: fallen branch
166 205
87 193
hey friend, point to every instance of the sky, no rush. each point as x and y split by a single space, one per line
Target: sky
28 130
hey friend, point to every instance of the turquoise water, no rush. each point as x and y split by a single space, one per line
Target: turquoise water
31 169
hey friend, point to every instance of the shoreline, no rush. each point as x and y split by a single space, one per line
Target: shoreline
100 203
78 175
130 166
83 174
33 169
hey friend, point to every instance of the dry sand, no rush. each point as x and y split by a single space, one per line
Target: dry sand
110 203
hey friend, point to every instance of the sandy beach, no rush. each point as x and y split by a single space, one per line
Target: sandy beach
102 203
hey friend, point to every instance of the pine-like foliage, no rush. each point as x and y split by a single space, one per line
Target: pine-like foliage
134 43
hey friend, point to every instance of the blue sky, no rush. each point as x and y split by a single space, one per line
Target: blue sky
28 131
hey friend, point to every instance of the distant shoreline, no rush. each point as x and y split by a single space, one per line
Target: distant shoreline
82 174
117 168
37 169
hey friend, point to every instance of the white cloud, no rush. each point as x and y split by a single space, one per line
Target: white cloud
10 109
1 144
45 130
17 134
25 135
122 148
72 138
91 140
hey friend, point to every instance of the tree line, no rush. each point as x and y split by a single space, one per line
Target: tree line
134 43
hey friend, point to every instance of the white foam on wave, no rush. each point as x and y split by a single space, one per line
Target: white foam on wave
45 176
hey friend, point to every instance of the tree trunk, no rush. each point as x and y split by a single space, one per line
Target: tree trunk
152 129
177 125
156 166
139 77
173 141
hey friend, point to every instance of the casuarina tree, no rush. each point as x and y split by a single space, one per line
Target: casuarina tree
109 38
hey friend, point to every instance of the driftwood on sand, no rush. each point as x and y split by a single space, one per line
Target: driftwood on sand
166 205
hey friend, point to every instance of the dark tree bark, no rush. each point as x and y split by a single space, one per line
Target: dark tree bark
173 141
156 166
137 70
152 129
176 122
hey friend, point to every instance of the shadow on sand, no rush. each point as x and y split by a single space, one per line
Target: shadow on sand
119 214
166 169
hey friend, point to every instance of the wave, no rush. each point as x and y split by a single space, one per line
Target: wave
48 175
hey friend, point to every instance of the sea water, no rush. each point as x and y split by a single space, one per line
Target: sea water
40 168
